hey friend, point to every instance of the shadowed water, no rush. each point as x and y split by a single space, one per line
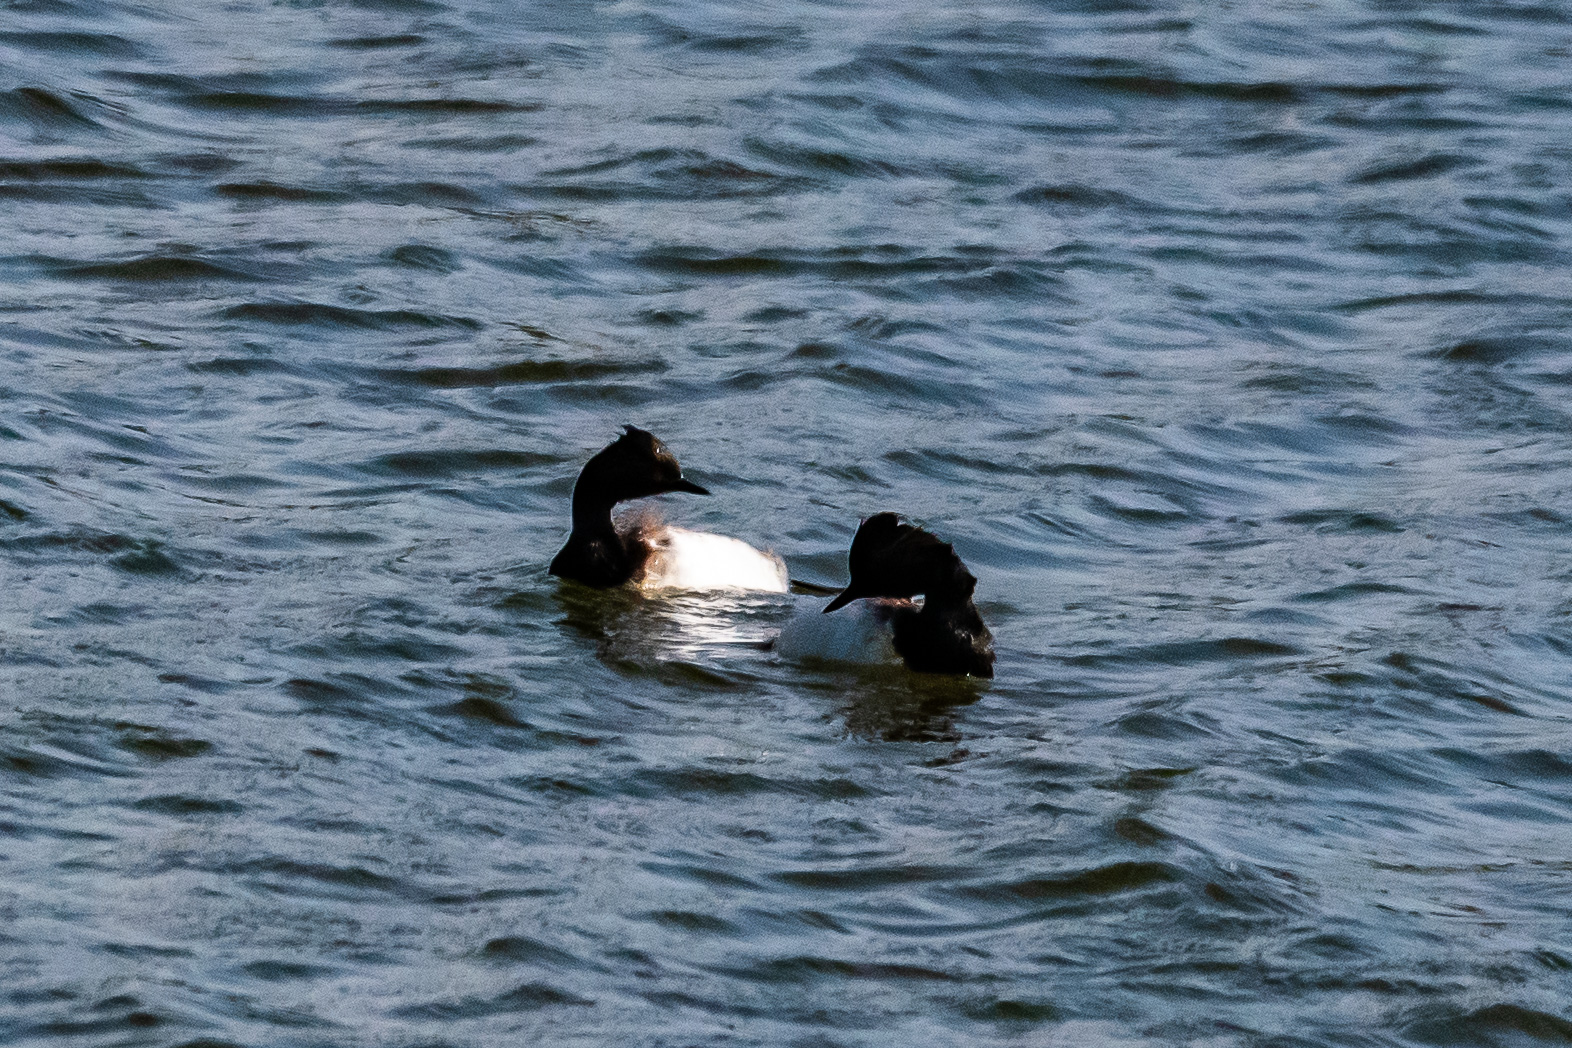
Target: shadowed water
1226 343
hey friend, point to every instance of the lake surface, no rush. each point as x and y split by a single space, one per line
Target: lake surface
1228 344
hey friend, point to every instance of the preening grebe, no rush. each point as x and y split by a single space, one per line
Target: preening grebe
890 563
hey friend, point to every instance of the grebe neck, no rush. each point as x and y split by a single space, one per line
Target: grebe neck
592 511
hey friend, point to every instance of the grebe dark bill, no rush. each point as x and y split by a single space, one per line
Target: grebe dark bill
890 563
638 551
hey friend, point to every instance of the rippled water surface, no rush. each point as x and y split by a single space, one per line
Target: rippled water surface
1228 344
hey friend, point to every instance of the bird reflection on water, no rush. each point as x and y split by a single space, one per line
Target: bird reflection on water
644 633
897 705
724 641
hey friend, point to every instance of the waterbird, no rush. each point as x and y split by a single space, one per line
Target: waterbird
641 551
890 563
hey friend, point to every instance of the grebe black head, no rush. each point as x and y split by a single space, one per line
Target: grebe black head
636 465
897 561
891 559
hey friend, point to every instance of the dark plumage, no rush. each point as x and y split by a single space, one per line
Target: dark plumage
889 559
634 466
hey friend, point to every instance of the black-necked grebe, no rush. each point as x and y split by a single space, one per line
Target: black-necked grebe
604 552
890 563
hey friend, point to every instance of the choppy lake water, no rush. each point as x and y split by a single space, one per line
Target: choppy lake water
1228 343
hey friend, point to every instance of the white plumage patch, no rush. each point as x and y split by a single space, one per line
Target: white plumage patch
858 633
696 560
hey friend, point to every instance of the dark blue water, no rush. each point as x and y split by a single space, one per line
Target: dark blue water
1228 344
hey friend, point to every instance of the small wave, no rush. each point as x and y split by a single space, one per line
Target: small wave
1279 143
273 191
954 466
424 256
870 878
52 44
248 103
889 267
930 389
753 39
286 971
1021 279
1143 508
699 872
521 949
1375 772
1412 170
322 879
412 7
1347 521
121 1017
1073 195
1251 889
1447 297
688 921
1153 86
1452 686
445 106
1145 780
1351 591
763 43
426 194
696 263
48 761
1389 90
68 169
325 696
1526 768
1430 23
136 556
1010 1012
1114 879
663 174
47 110
158 267
828 162
377 43
685 782
479 708
323 315
524 372
183 805
1495 349
1138 831
506 144
808 969
530 997
241 367
1493 1024
158 746
458 462
1187 653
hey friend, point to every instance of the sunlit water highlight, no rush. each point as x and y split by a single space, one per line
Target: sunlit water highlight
1226 343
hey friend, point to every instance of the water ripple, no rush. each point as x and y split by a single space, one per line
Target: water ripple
1226 349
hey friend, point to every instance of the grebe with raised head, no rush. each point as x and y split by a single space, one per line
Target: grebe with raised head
604 552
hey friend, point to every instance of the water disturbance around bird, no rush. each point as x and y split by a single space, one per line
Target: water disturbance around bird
1227 344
